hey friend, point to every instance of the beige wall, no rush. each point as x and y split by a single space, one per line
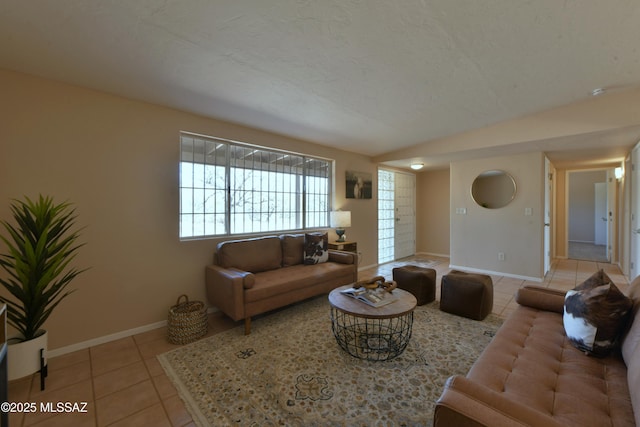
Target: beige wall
479 235
117 160
432 212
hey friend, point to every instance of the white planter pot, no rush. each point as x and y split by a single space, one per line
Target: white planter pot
23 358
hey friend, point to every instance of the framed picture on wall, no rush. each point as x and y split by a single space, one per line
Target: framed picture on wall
359 185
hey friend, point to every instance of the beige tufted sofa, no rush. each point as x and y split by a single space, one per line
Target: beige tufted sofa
530 375
253 276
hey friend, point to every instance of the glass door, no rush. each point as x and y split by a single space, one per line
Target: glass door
396 215
386 216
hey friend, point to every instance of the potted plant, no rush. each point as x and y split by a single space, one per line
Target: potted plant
40 246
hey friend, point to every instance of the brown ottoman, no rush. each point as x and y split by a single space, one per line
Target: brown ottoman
466 294
419 281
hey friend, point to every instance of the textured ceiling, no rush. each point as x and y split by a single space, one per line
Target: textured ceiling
369 76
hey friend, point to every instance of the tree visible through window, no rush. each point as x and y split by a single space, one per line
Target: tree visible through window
232 188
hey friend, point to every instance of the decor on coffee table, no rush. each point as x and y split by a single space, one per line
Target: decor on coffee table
372 333
290 371
376 283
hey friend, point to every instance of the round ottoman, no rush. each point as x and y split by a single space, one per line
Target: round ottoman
419 281
466 294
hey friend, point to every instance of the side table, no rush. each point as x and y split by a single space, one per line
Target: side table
344 246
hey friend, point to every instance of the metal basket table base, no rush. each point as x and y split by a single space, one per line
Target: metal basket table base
376 339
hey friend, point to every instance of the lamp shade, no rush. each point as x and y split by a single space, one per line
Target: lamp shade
340 219
618 173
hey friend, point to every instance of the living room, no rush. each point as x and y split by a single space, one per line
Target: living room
116 158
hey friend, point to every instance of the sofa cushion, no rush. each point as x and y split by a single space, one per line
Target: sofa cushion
270 284
595 314
531 361
292 249
254 255
542 298
316 248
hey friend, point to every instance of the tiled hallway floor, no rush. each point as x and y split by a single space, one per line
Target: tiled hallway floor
124 384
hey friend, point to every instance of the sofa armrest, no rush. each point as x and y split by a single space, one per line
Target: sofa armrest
225 289
342 257
541 298
465 403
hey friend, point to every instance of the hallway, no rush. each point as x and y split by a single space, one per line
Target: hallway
588 252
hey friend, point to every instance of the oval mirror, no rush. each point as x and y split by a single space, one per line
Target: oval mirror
493 189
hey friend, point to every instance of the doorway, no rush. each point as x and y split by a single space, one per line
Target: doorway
549 172
589 216
396 215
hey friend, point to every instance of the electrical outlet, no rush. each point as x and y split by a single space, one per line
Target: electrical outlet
500 256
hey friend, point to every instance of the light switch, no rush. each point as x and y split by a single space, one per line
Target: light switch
528 211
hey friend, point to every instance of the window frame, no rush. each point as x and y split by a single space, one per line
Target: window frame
205 224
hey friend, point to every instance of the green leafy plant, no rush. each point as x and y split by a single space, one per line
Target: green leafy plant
40 246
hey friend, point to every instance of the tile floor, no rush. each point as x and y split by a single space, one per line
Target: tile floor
124 385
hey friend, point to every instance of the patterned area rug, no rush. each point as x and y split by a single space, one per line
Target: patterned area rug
422 262
290 371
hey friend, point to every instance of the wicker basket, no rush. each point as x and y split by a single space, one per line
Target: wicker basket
187 321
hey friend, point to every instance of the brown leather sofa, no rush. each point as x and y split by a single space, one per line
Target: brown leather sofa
253 276
530 375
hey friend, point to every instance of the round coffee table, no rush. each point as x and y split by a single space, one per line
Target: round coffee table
372 333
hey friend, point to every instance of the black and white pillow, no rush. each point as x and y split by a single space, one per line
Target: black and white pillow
595 314
316 248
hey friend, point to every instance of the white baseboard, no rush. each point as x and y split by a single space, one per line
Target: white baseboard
368 266
104 339
496 273
111 337
433 254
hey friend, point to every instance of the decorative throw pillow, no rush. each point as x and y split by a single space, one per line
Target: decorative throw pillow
292 249
316 248
595 314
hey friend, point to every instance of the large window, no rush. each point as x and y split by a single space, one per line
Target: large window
232 188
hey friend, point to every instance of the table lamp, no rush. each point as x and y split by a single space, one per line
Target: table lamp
339 220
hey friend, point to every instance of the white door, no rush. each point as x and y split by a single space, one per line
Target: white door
405 233
612 219
548 191
634 258
600 217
